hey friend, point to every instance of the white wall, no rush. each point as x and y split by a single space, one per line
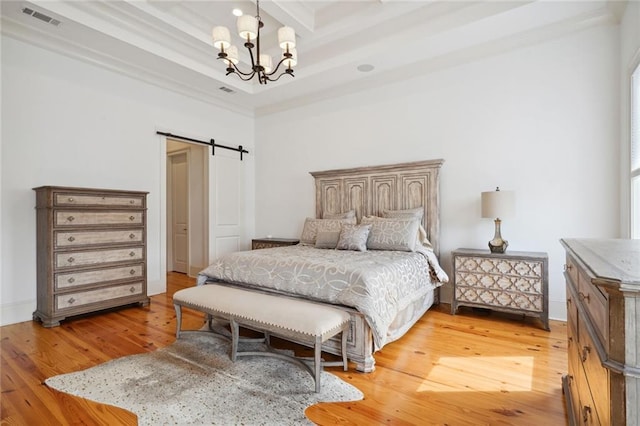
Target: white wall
68 123
541 120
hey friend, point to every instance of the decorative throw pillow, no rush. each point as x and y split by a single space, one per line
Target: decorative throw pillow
327 239
354 237
346 215
417 213
392 234
310 229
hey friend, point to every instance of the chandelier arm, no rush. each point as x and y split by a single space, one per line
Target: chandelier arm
267 76
237 70
246 77
275 70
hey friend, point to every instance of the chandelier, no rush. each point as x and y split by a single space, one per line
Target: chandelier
261 64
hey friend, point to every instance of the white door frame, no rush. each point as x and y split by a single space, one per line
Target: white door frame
169 209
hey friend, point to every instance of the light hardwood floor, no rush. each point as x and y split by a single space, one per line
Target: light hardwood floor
468 369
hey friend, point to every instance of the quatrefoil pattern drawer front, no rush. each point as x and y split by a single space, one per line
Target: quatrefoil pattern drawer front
80 298
88 258
75 218
520 268
97 276
65 199
88 238
505 299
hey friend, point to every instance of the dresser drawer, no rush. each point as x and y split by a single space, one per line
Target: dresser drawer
88 238
597 374
596 305
75 218
80 298
497 298
106 200
571 269
98 257
74 279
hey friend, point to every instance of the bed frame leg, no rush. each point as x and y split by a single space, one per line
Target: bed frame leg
178 309
235 336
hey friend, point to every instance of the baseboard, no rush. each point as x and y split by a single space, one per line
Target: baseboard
12 313
195 270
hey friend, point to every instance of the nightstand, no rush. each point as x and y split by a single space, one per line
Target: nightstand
261 243
515 282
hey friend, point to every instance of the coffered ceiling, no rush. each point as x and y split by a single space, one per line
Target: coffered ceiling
168 43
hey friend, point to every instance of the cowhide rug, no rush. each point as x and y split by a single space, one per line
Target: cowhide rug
193 381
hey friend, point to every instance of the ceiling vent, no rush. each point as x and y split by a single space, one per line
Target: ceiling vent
41 16
226 89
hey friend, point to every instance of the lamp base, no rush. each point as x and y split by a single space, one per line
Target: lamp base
498 245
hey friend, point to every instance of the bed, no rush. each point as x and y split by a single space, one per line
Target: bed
384 278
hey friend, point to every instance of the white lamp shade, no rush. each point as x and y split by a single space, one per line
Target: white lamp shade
221 37
498 204
232 54
265 61
293 61
247 27
287 38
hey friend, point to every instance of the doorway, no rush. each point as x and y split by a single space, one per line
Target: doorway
186 210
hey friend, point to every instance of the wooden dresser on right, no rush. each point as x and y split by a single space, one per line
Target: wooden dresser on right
602 386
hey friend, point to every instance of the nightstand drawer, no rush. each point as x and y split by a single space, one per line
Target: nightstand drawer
499 298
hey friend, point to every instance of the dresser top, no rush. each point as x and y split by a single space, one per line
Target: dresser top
610 260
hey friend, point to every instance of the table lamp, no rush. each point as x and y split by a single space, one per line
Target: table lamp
496 205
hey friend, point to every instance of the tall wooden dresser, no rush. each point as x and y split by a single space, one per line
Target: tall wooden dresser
602 386
91 251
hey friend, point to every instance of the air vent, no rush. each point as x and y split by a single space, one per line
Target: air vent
226 89
41 16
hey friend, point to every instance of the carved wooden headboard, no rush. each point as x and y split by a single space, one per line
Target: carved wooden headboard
370 190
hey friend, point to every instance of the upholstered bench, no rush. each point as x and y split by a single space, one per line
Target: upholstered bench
291 319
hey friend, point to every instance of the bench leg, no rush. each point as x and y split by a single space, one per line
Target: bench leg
235 336
178 309
345 363
318 362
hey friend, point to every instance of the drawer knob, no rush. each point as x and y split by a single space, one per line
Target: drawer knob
71 218
70 301
71 239
132 217
71 200
586 411
132 272
568 267
131 201
132 254
71 260
71 280
132 236
584 297
132 290
585 353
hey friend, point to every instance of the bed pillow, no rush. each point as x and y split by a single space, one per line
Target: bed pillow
311 226
346 215
391 233
417 213
327 239
354 237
